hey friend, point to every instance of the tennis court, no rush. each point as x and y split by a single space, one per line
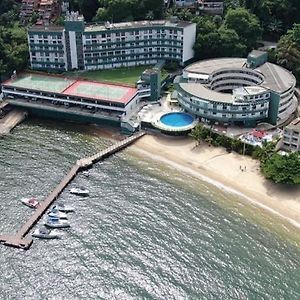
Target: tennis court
101 91
79 88
40 82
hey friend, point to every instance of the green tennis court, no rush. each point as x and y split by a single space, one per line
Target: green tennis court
66 86
40 82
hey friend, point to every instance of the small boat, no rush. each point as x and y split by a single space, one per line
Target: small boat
86 173
62 207
31 202
55 213
79 191
45 233
56 223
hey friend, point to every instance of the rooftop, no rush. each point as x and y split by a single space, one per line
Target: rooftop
201 91
135 24
73 87
294 125
276 78
257 53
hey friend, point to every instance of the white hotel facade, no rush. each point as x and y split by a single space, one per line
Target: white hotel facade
82 47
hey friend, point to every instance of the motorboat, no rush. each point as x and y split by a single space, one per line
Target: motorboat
45 233
79 191
31 202
86 173
56 223
55 213
62 207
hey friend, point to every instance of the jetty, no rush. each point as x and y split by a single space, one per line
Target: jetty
20 239
10 119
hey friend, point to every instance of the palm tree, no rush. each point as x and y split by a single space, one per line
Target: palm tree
195 134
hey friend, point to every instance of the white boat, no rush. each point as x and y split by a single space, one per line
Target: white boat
56 223
86 173
31 202
79 191
55 213
45 233
62 207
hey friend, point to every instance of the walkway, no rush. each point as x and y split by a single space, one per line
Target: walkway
11 120
19 240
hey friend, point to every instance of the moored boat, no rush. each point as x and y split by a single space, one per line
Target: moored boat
79 191
55 213
45 233
86 173
62 207
30 202
56 223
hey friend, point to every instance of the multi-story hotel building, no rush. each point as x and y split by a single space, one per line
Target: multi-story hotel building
77 46
238 91
291 136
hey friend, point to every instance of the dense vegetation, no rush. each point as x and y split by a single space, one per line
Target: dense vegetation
119 10
278 168
13 39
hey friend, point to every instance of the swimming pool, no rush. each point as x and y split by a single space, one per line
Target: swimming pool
177 119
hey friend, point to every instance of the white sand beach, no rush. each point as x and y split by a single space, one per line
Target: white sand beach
223 169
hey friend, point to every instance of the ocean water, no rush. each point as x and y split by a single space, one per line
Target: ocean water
143 233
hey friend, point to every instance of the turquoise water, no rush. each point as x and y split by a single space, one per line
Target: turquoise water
177 119
138 235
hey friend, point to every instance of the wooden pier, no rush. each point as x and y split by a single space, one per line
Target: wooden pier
19 240
11 119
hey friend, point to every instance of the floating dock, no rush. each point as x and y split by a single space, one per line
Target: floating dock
20 239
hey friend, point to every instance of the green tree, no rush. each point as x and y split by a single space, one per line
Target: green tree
89 8
245 24
288 50
195 134
220 43
127 10
282 168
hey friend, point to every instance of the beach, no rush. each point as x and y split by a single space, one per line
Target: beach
229 171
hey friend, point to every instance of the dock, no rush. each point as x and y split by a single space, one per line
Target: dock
20 239
11 119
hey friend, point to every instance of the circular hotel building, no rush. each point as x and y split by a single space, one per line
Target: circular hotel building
238 91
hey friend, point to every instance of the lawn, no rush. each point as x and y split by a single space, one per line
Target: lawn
120 75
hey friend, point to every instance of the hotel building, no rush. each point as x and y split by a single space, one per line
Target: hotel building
291 136
238 91
93 47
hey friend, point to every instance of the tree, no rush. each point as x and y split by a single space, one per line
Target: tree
245 24
195 134
288 50
283 168
220 43
128 10
89 8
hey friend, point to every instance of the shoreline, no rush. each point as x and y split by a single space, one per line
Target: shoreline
221 169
